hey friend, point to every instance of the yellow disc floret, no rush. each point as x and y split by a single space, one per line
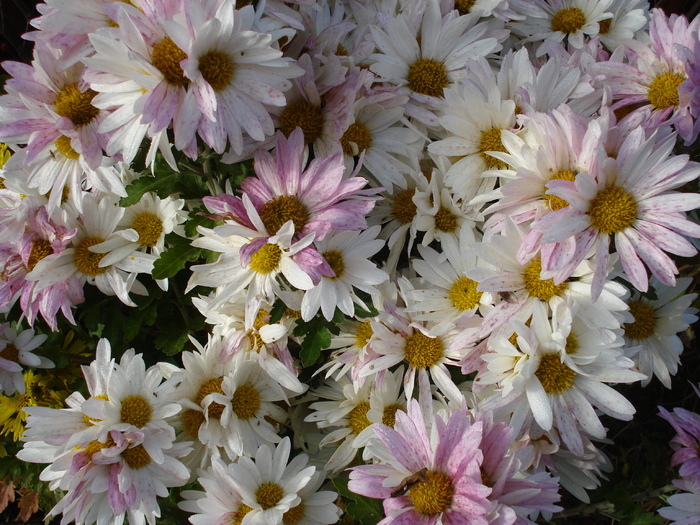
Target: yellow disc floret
211 386
136 411
422 351
568 20
663 90
276 212
334 258
358 134
293 515
64 147
491 141
389 414
556 377
557 203
40 248
245 402
644 323
433 495
428 76
166 58
463 293
404 209
363 334
217 69
357 418
266 259
613 210
76 105
136 457
149 227
87 262
269 494
445 220
304 115
543 289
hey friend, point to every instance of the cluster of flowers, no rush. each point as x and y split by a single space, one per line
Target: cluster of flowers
685 506
471 193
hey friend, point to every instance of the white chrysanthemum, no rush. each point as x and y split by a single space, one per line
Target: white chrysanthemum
426 53
230 404
629 17
537 377
15 351
651 336
555 20
449 296
96 224
348 254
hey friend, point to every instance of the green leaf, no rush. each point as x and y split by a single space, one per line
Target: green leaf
197 220
642 517
277 311
179 252
162 184
365 511
171 342
316 337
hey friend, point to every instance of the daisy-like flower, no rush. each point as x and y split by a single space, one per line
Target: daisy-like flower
349 349
97 223
317 199
651 338
684 507
46 105
629 17
449 296
41 238
269 489
17 351
628 199
536 375
430 470
234 73
426 53
473 119
653 79
555 20
348 254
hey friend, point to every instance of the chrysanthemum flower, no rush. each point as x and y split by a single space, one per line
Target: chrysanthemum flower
684 507
17 351
234 72
685 443
651 336
629 17
629 199
430 470
653 79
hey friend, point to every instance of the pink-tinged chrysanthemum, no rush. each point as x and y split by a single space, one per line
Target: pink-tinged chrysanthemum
656 72
44 105
514 495
42 237
431 471
685 506
628 200
317 199
136 73
686 442
234 74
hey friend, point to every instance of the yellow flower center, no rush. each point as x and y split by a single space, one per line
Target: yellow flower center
245 402
422 351
568 20
5 154
358 134
543 289
357 418
572 345
269 494
557 203
389 414
210 387
136 411
10 352
304 115
612 210
136 457
87 262
293 515
40 248
64 147
76 106
217 69
261 318
427 76
464 6
663 90
491 141
644 322
275 213
341 50
191 421
463 293
266 259
555 376
363 334
445 220
166 58
334 258
149 227
404 208
94 447
434 495
604 26
237 517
